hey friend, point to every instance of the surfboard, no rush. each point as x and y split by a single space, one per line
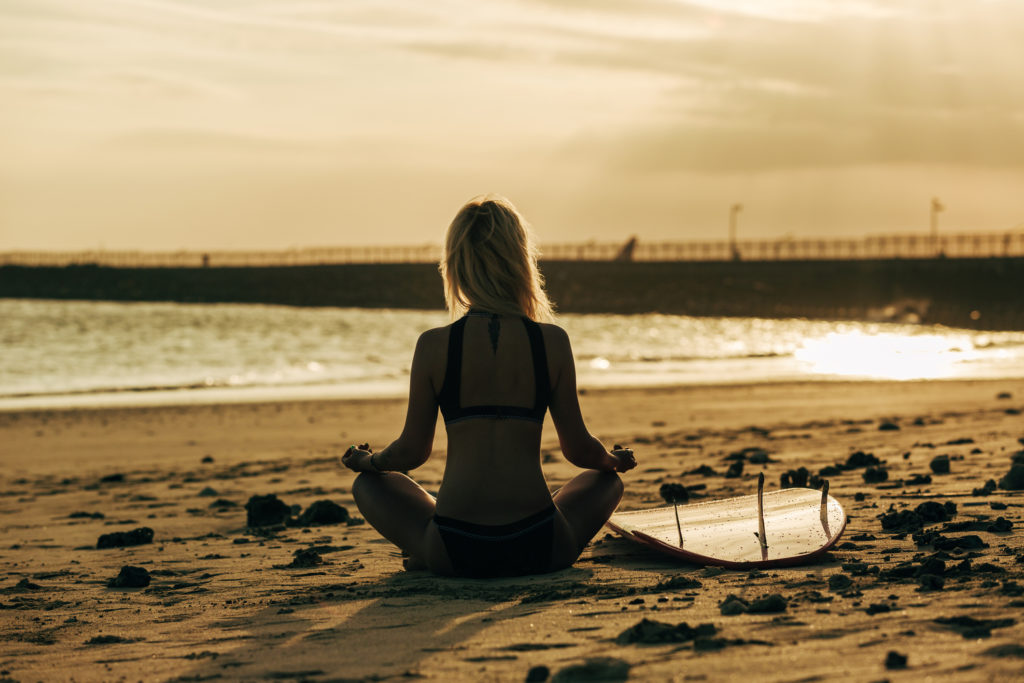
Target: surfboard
774 529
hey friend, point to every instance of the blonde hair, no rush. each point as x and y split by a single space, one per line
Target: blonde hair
490 262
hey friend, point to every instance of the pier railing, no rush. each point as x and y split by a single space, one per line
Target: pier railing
962 245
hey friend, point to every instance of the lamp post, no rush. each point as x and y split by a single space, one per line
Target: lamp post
733 250
937 207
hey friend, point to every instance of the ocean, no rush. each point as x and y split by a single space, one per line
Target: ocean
88 353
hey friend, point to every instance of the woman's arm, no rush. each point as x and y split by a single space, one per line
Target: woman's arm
412 448
578 445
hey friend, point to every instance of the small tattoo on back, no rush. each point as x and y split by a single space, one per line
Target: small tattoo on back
494 328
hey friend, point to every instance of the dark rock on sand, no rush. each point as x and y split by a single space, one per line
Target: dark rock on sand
130 577
1000 525
323 512
861 459
968 542
940 464
932 565
1006 650
888 426
121 539
207 459
769 604
86 515
223 504
941 542
912 520
877 608
23 586
754 454
650 632
1014 479
208 491
758 456
703 471
112 478
799 477
930 582
1011 588
538 674
305 558
732 605
674 493
606 669
874 475
919 480
839 582
266 510
986 490
971 628
894 660
677 583
108 640
735 470
932 511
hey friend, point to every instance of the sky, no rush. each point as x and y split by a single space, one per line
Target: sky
265 124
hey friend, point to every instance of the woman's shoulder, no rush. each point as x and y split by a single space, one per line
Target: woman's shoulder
554 335
433 337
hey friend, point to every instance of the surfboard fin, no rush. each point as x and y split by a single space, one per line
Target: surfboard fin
679 527
824 507
762 539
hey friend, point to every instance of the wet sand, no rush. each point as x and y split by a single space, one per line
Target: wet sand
936 591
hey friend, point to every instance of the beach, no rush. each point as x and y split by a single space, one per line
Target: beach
225 601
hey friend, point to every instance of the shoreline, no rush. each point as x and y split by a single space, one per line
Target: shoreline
225 396
227 601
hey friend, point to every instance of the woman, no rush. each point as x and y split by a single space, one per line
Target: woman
493 373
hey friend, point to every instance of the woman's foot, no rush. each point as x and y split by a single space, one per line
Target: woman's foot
413 564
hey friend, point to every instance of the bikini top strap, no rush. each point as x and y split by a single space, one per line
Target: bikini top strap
541 380
451 389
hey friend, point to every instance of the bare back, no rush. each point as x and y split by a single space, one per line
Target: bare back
493 473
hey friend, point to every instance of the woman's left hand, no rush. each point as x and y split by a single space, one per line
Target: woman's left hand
624 457
357 459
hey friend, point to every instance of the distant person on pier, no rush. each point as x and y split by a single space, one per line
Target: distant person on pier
493 373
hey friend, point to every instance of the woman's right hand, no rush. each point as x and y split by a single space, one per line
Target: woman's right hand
358 459
624 459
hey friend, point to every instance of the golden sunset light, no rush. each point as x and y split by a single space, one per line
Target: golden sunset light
165 125
511 340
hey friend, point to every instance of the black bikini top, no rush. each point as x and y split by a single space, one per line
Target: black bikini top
449 398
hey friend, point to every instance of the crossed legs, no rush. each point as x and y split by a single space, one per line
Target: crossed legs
403 512
586 502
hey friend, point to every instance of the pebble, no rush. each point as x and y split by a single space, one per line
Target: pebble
130 577
940 464
121 539
894 660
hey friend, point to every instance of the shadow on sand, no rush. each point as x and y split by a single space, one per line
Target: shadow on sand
382 629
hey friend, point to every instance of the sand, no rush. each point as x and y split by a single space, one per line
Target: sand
227 602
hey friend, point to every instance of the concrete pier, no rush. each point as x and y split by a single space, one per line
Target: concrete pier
976 293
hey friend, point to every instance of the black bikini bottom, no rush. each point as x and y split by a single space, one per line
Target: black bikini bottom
488 550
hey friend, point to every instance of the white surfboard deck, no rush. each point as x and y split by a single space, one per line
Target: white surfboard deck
798 527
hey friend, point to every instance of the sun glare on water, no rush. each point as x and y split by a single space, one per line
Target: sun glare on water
886 355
